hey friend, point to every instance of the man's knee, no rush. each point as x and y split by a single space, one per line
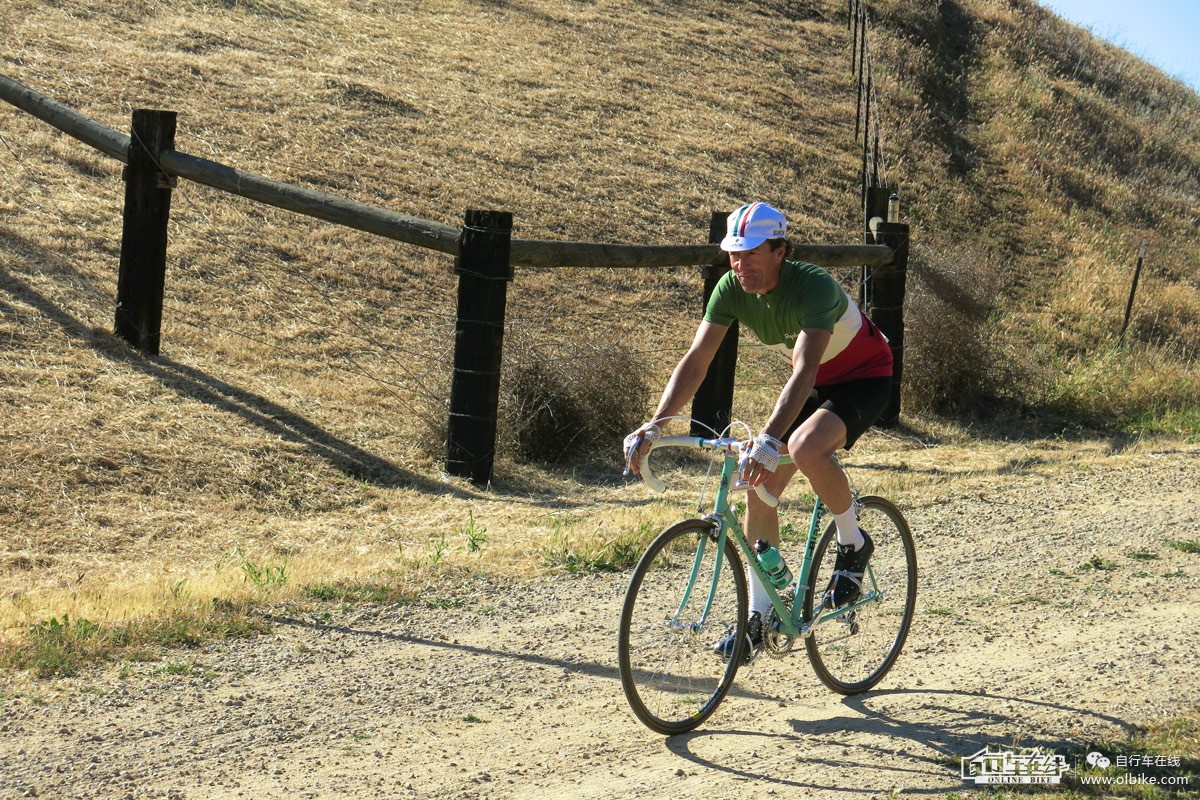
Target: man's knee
755 507
813 444
805 450
809 455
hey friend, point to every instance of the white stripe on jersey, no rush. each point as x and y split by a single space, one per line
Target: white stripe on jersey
844 331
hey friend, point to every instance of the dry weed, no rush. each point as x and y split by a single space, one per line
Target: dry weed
304 366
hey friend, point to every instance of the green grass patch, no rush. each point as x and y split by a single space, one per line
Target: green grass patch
1184 422
63 647
1098 564
1184 545
1150 388
351 591
1168 750
583 555
475 534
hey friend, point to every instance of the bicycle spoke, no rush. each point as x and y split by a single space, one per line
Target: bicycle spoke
671 676
852 656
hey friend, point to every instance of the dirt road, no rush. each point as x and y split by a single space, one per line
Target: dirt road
1051 612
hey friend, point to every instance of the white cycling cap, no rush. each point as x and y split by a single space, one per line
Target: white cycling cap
751 225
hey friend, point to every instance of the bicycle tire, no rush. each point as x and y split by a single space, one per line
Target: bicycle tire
854 652
671 677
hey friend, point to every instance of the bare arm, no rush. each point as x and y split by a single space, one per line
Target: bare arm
690 371
806 359
685 380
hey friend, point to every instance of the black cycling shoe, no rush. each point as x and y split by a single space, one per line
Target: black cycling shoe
754 640
845 586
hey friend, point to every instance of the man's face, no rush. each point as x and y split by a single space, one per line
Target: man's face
757 270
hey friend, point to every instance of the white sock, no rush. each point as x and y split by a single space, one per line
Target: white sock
847 528
760 601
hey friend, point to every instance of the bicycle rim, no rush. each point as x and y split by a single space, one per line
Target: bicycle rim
672 678
852 653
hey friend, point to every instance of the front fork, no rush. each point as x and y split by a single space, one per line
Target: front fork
714 537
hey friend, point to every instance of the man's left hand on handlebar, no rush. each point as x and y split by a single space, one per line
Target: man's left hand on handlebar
637 445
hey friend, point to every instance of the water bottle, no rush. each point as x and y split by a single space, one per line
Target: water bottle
773 564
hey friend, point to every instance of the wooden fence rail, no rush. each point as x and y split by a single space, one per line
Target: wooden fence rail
140 308
108 141
389 224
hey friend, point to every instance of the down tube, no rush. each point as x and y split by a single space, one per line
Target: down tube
691 584
806 564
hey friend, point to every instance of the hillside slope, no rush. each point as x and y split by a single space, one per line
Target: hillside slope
299 400
1038 158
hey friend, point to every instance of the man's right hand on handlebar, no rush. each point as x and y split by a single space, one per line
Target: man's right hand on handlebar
759 458
637 445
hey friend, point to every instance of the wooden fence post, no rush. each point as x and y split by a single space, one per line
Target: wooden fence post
483 270
1137 273
852 25
143 267
713 403
875 206
860 46
887 307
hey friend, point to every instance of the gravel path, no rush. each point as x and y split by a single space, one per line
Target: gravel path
514 691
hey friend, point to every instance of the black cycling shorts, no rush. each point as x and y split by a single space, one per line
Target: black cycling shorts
857 403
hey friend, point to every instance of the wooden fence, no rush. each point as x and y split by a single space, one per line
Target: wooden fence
881 291
484 250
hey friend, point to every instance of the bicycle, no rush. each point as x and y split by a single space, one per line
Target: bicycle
689 591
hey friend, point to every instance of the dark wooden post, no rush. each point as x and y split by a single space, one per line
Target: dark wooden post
887 306
860 46
483 271
713 403
875 206
143 268
1137 273
853 37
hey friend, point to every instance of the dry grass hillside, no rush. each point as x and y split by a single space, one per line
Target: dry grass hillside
1038 158
289 431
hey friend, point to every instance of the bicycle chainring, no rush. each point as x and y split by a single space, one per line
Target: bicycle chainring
775 643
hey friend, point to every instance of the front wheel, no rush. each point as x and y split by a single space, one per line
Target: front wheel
852 652
686 594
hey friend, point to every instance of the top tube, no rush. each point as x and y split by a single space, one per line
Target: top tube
730 445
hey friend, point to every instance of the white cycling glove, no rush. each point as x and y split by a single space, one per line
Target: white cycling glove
647 433
764 449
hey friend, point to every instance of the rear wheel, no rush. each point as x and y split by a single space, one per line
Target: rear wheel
853 652
684 597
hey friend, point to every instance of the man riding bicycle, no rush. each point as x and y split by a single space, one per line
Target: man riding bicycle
839 386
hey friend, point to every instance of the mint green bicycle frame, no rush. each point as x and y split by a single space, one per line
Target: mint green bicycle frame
791 622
